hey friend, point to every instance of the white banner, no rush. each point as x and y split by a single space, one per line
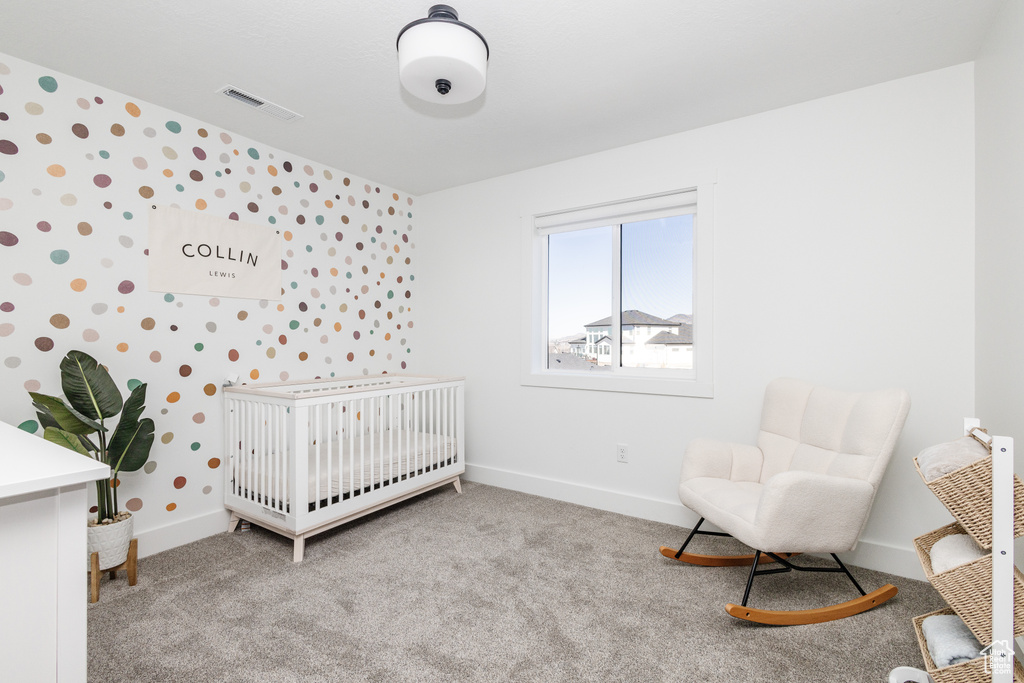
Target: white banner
193 253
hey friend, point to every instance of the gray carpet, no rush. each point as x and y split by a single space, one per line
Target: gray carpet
490 585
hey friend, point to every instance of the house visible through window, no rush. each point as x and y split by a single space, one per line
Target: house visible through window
621 292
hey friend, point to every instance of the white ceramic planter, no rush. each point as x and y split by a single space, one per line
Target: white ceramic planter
111 541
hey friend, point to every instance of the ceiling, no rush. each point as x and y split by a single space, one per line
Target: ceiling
565 78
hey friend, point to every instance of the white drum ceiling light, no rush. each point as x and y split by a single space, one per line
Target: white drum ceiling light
441 59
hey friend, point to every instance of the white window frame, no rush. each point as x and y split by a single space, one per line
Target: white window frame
536 228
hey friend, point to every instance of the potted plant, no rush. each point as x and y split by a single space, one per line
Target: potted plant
82 425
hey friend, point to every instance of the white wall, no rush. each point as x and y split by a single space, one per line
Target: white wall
999 93
999 294
844 254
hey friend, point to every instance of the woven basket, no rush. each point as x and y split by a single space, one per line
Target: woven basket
967 672
967 494
968 587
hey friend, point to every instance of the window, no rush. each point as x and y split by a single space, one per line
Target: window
618 295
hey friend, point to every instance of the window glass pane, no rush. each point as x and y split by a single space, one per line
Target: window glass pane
657 293
579 299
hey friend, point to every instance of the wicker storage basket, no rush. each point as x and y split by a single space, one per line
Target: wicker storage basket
967 494
968 587
967 672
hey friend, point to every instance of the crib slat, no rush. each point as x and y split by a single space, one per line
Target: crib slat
374 459
241 448
432 429
246 435
232 449
272 457
317 441
330 448
413 436
254 454
256 438
282 439
351 441
391 439
300 437
361 417
275 439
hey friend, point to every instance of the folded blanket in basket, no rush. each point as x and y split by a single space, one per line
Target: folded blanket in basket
954 550
944 458
949 640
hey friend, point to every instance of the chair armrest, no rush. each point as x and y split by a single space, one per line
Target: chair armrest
811 512
721 460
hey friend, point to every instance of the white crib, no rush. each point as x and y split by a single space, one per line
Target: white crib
306 456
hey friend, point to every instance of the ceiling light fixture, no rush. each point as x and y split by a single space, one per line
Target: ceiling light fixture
441 59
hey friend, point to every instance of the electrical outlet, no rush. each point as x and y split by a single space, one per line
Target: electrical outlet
622 452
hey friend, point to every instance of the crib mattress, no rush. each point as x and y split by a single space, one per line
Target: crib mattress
410 452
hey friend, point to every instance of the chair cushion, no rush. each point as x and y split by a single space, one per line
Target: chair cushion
817 429
794 512
727 504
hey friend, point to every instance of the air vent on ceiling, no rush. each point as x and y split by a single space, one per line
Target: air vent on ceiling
269 108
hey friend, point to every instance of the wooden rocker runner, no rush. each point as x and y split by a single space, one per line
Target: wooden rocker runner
807 487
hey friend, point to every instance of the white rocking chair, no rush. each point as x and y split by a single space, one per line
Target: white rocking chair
807 487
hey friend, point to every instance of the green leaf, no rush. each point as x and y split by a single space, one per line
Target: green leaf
136 451
135 404
99 427
46 419
128 425
60 415
89 387
65 439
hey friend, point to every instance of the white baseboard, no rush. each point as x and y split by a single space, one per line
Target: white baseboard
868 554
169 536
898 560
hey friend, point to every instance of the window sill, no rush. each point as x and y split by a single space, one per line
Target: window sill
619 383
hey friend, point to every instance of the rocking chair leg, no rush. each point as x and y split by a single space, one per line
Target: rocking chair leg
750 579
689 538
848 574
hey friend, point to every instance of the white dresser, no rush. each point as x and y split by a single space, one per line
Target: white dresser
43 565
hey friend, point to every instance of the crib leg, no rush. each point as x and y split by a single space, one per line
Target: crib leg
458 485
233 522
300 544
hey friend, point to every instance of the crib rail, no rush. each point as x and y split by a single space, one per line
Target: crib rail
298 451
301 390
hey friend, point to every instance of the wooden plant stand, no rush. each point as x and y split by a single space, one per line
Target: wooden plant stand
130 565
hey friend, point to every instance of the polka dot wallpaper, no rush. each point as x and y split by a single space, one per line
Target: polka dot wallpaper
79 167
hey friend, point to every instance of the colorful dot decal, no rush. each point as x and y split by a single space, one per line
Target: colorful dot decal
89 163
